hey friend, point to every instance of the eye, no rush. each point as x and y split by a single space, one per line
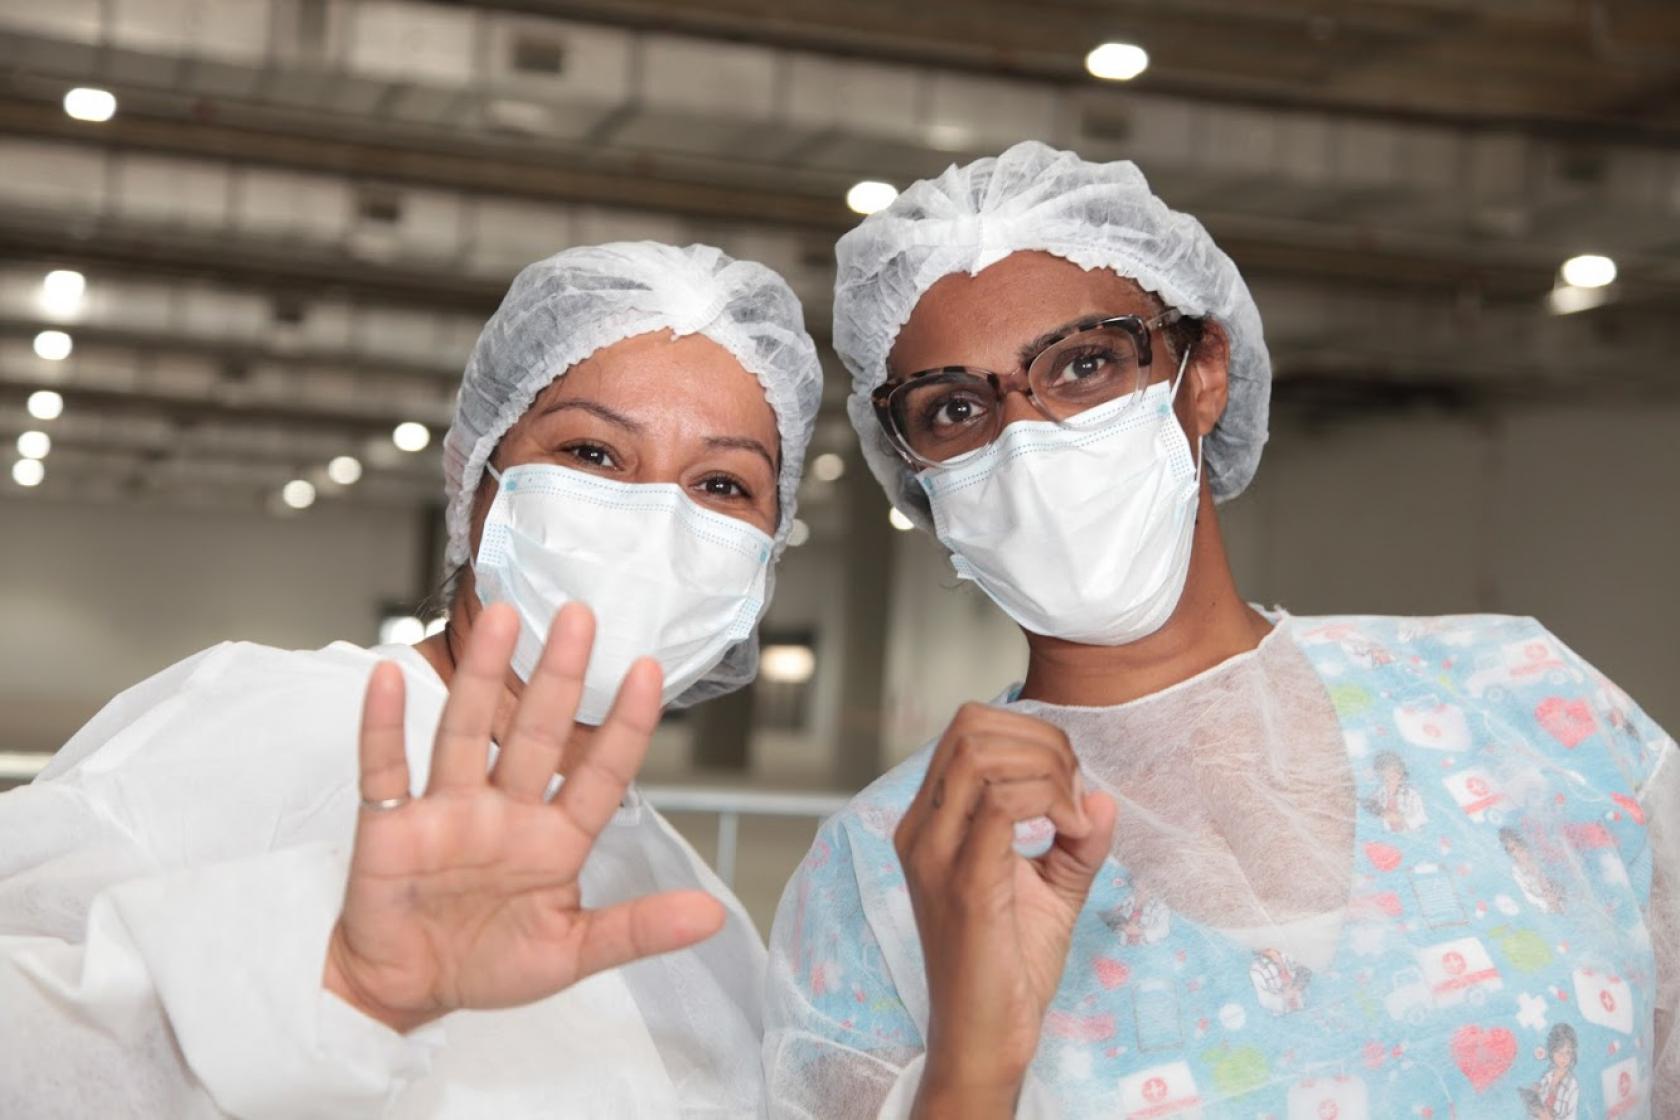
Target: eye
724 486
951 411
591 454
1084 366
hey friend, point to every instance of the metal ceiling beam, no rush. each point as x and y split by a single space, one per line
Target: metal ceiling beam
1304 54
236 353
511 166
183 409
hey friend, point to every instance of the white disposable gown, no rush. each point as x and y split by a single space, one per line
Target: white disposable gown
168 884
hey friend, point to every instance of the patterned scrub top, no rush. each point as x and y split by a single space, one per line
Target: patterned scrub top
1493 959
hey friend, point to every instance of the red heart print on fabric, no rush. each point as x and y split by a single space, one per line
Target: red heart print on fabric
1111 973
1384 857
1567 721
1483 1054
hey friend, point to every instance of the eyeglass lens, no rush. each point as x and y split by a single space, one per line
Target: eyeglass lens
940 416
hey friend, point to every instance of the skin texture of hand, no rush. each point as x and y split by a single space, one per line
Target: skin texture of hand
995 926
468 896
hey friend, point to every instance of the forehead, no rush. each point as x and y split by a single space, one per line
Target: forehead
659 373
982 319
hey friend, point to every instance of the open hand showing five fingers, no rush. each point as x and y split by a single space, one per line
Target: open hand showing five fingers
468 896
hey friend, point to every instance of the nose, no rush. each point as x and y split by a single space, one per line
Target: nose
1018 406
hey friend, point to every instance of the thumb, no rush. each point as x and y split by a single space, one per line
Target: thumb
645 927
1072 863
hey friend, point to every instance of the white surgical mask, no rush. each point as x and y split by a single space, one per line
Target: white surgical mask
665 578
1080 530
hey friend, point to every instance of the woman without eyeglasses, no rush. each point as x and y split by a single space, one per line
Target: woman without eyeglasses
206 910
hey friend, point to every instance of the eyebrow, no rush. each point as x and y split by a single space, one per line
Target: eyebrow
744 443
595 408
1031 350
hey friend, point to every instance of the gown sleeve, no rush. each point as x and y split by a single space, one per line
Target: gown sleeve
166 896
846 1007
1644 755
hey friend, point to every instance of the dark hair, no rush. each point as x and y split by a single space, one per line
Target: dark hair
1509 836
1183 335
1560 1034
1388 760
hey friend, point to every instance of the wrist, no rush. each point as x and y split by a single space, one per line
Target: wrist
339 977
945 1100
951 1088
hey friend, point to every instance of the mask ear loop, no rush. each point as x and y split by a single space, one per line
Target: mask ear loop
1178 378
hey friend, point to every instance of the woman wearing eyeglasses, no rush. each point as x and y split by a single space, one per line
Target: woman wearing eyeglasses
1060 377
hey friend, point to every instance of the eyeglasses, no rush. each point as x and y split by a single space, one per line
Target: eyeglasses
936 415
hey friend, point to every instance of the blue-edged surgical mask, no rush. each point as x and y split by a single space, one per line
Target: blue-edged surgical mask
1082 529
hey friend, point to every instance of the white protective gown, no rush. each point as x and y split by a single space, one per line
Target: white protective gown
168 884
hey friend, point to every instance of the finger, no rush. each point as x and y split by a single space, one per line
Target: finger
381 750
462 751
1071 864
543 722
988 847
1049 788
645 927
595 787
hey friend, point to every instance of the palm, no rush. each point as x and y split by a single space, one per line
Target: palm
1043 919
469 896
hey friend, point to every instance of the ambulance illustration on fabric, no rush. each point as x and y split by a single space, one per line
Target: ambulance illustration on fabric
1474 790
1161 1091
1516 665
1447 974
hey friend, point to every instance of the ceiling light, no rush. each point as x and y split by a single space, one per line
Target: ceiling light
34 445
85 103
787 664
870 195
1568 299
44 404
1117 62
899 521
61 292
298 493
828 466
345 470
1589 270
54 346
798 533
28 472
411 435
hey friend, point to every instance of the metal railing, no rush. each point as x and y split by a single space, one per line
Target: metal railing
729 804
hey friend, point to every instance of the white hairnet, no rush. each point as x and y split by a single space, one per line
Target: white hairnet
1032 197
561 310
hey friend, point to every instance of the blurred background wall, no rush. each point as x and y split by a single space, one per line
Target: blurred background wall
245 246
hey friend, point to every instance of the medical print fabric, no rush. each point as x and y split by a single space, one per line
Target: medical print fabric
1493 958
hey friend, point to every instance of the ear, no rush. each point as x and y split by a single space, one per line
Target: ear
482 497
1209 377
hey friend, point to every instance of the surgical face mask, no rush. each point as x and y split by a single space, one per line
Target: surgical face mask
1079 530
665 578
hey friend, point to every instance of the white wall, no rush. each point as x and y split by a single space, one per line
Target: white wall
1570 515
96 597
